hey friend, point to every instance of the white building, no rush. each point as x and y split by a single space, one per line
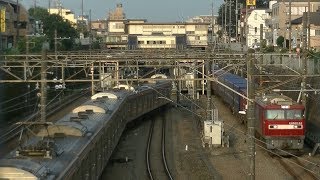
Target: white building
167 35
257 17
214 27
138 33
66 14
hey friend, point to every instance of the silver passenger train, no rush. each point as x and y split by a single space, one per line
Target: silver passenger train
79 145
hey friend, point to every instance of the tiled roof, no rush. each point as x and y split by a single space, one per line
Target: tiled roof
314 19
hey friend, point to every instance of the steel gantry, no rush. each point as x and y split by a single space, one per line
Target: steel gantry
26 68
85 66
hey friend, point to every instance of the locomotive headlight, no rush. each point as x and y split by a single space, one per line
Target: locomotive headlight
273 126
297 126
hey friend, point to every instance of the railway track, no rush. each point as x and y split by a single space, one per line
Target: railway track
296 168
15 129
153 152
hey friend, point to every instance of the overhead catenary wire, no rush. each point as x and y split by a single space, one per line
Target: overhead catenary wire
242 133
17 97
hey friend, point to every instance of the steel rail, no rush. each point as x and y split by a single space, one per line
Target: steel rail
148 150
164 161
163 149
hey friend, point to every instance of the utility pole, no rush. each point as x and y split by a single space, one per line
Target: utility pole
261 36
90 26
230 5
290 29
208 90
43 100
49 5
222 19
18 24
212 23
246 27
225 21
92 80
308 24
305 19
250 117
82 11
55 44
236 20
261 57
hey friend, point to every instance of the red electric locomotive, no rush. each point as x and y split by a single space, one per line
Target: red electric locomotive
280 122
279 119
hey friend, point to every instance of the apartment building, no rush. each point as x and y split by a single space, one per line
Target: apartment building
99 27
256 18
298 29
213 28
138 33
66 14
14 24
116 36
280 14
167 35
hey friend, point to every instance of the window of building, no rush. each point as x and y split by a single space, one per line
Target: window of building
119 26
190 32
264 16
22 24
255 30
317 32
197 37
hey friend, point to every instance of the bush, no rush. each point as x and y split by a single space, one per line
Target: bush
283 50
268 49
251 50
280 41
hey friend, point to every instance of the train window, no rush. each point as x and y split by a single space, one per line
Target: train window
275 114
294 114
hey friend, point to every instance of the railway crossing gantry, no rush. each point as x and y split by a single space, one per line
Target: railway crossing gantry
27 68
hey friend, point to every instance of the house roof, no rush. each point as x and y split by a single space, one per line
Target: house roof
8 1
314 19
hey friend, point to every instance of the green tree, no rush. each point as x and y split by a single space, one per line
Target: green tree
34 43
52 22
226 9
280 41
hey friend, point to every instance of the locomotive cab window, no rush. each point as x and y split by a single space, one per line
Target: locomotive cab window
275 114
284 114
294 114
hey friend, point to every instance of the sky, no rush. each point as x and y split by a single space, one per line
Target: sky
152 10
